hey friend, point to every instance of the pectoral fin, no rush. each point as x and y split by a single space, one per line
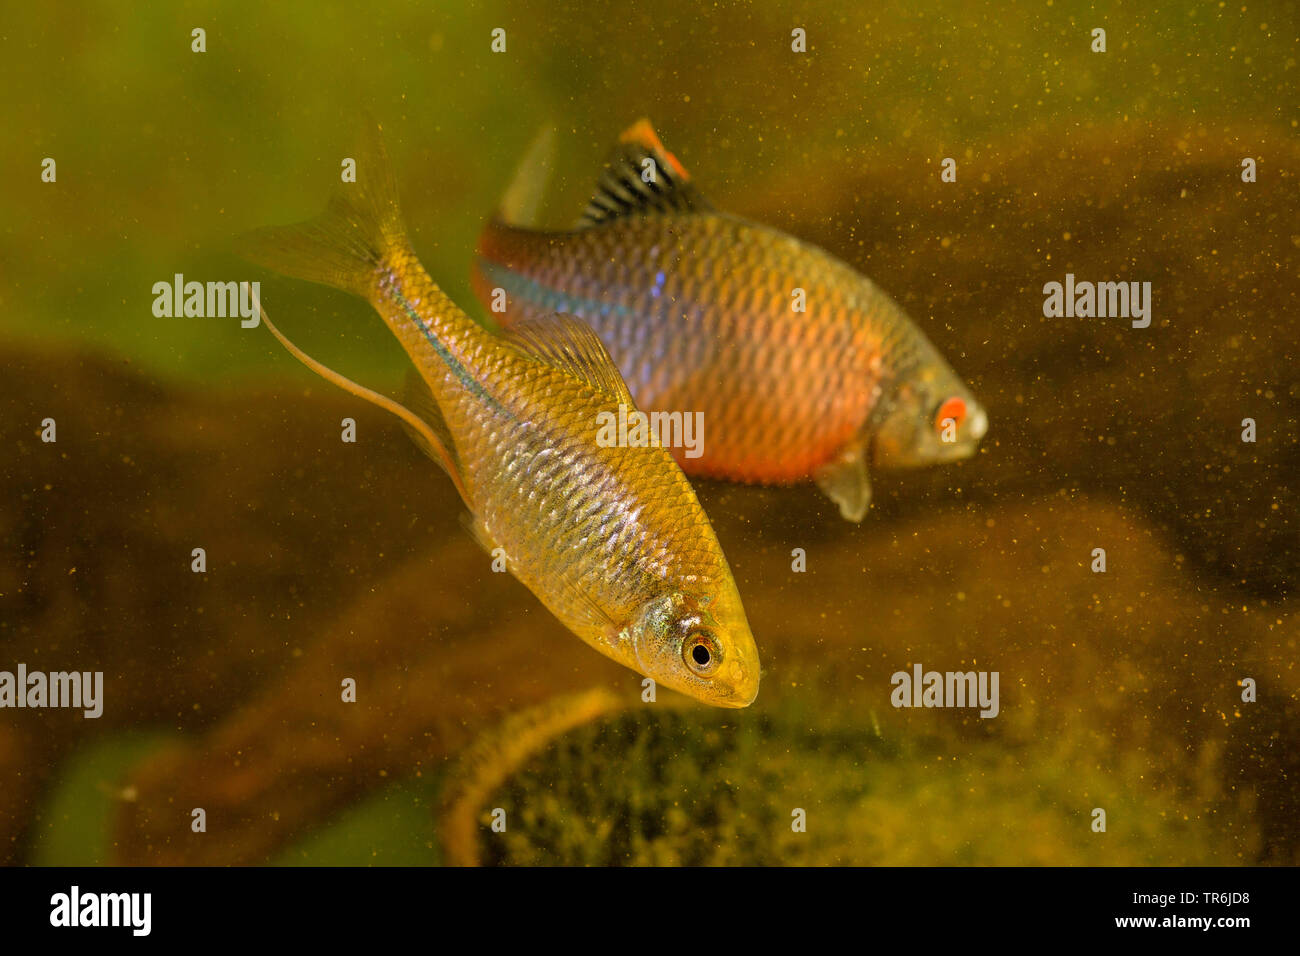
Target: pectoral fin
845 481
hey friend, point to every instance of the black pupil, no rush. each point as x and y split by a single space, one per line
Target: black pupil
700 653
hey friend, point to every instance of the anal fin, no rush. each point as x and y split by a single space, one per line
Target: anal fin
440 447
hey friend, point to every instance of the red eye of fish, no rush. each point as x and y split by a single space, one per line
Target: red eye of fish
953 408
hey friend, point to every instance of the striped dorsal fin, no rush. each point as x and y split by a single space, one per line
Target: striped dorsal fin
642 178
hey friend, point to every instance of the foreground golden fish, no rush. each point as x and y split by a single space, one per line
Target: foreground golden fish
799 366
612 540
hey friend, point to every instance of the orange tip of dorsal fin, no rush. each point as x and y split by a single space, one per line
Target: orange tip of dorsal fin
641 178
644 135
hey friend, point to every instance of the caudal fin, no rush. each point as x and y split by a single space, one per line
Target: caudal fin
347 245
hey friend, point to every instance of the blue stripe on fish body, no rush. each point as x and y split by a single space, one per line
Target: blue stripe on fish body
462 374
546 298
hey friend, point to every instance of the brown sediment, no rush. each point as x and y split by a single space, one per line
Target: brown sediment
1121 687
26 768
1131 669
440 651
98 528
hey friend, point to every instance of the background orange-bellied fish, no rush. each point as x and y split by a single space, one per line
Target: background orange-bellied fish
612 540
697 309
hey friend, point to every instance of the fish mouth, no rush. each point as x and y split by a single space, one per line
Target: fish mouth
923 448
738 684
967 444
950 454
736 700
731 698
733 704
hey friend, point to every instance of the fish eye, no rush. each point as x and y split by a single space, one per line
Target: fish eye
701 653
954 408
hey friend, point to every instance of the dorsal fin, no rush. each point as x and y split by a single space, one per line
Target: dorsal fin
642 178
569 344
523 198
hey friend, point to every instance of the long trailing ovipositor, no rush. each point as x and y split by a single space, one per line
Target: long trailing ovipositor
800 365
611 539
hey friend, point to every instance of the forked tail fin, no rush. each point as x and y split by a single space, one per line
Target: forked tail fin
347 245
355 241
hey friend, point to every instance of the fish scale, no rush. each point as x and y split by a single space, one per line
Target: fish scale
561 455
764 423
